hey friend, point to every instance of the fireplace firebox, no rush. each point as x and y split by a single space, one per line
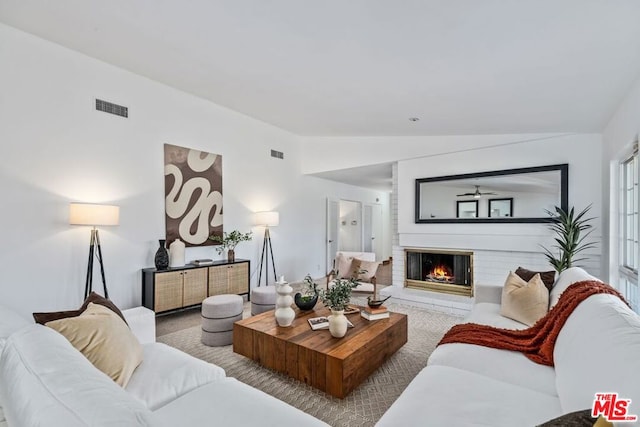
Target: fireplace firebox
439 270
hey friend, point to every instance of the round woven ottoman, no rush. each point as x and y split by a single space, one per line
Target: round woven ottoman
219 312
263 299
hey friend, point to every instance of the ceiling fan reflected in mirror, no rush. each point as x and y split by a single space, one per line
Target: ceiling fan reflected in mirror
477 194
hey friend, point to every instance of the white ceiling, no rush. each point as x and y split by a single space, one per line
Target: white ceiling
363 67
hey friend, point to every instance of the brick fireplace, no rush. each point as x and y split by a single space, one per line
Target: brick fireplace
439 270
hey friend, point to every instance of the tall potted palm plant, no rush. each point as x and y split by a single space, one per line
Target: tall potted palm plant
571 231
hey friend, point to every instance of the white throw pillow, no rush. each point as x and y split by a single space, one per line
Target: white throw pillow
525 302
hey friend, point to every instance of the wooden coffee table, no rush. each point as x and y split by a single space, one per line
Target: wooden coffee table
333 365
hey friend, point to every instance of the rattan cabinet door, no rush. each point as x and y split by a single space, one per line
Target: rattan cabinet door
218 282
168 291
195 286
238 278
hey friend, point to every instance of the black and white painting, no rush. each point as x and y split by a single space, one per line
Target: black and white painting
193 195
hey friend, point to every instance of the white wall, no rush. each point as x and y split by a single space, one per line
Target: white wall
56 149
350 226
584 189
618 137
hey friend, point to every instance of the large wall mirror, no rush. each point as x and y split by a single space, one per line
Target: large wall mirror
511 195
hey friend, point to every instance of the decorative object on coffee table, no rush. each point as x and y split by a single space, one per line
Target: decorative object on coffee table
309 296
373 301
94 215
229 241
161 260
176 253
337 299
284 313
266 220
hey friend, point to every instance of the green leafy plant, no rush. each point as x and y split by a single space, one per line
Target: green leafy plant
309 289
337 296
571 231
230 240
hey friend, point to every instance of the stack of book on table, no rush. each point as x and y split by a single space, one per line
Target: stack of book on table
370 313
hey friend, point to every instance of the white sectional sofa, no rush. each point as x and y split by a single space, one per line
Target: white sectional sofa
45 381
597 350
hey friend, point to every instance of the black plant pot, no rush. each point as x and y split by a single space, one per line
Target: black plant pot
305 305
162 257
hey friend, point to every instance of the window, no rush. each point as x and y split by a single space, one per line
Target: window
629 230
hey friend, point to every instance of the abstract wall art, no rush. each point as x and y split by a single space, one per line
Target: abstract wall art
193 195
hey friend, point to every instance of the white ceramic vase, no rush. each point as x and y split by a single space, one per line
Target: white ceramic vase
337 323
284 312
176 253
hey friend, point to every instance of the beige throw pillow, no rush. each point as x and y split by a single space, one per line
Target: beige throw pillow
523 301
343 266
369 268
104 339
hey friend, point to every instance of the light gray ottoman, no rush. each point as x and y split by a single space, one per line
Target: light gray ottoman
219 312
263 299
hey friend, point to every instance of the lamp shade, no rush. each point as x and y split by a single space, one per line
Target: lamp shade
267 219
91 214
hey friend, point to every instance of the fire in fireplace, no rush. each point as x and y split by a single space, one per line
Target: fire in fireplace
441 273
440 270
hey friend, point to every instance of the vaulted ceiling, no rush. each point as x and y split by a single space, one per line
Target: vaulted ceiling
364 67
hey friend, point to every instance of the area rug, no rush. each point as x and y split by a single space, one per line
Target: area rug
366 404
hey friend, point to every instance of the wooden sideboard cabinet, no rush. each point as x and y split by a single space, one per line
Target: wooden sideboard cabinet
175 288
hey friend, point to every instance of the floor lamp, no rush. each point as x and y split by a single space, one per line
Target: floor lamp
94 215
267 219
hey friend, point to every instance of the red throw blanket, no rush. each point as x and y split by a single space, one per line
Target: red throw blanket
538 341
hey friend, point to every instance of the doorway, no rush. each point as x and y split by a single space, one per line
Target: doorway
353 227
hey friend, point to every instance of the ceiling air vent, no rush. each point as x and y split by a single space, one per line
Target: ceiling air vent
111 108
277 154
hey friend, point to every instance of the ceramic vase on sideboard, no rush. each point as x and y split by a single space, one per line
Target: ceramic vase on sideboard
176 253
284 313
161 259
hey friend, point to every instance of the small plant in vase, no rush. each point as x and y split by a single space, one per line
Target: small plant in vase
337 298
229 241
309 296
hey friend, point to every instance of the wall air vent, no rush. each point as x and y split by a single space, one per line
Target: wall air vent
111 108
277 154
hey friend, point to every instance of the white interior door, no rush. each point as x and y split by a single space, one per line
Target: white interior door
333 219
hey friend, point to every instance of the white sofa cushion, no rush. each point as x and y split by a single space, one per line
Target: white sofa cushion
508 366
486 313
45 381
446 396
567 278
167 373
598 350
10 322
142 323
230 402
